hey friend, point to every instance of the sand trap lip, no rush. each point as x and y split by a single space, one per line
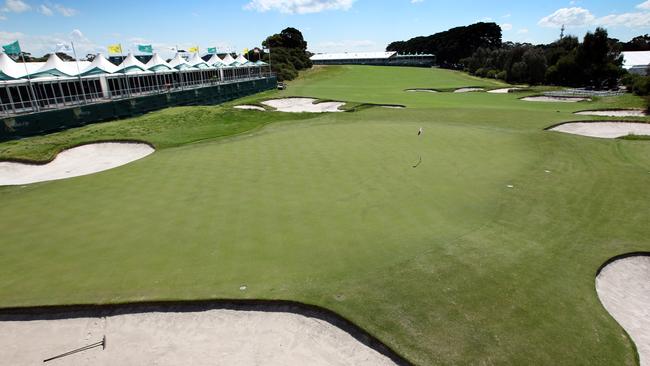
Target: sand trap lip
503 90
421 90
250 107
609 130
623 287
543 98
298 105
75 162
614 113
468 90
392 106
175 335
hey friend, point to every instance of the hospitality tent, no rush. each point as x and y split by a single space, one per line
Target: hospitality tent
131 64
228 60
179 63
99 65
636 62
241 60
197 61
157 64
215 61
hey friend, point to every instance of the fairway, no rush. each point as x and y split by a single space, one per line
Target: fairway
485 253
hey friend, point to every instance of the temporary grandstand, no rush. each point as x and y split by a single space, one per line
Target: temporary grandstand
373 58
636 62
54 84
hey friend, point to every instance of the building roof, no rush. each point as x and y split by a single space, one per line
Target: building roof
635 58
352 56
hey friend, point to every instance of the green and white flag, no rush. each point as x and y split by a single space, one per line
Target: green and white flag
212 50
146 48
12 48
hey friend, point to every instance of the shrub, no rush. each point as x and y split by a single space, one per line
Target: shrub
641 85
503 75
492 74
480 72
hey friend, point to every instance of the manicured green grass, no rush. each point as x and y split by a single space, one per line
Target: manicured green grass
443 262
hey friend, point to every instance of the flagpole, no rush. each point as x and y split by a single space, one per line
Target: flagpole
126 78
74 52
29 80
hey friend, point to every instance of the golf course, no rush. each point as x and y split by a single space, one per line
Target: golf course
476 242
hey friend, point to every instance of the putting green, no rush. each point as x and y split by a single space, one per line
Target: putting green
444 262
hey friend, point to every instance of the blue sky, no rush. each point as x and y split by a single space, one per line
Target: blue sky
328 25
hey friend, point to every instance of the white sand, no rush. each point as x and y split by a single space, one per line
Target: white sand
623 287
422 90
609 130
615 113
297 105
250 107
556 99
468 90
212 337
502 91
393 106
82 160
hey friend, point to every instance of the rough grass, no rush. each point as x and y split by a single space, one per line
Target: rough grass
443 262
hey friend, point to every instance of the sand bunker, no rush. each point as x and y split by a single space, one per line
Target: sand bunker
556 99
623 287
468 90
81 160
615 113
503 90
250 107
393 106
609 130
297 105
422 90
210 337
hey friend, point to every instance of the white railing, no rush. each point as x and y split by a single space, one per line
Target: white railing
135 89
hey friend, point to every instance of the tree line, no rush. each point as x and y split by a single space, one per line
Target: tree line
478 49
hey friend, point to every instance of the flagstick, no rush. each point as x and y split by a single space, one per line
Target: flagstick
29 81
74 52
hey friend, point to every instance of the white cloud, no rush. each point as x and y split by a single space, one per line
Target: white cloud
580 17
347 45
509 15
486 19
506 26
45 10
298 6
38 45
2 17
630 20
575 17
644 5
66 12
522 31
16 6
421 1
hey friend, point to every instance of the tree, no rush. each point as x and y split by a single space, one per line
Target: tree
288 52
600 59
454 44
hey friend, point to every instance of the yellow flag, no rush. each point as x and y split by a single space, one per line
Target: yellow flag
193 49
114 48
245 51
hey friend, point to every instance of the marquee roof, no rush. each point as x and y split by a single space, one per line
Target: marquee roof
55 67
352 56
636 58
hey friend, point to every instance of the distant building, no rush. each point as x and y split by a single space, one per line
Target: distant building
373 58
636 62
